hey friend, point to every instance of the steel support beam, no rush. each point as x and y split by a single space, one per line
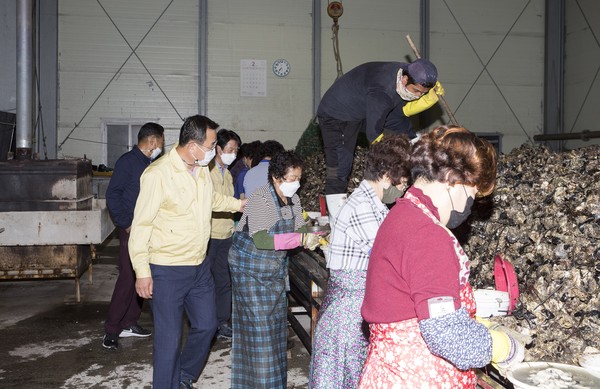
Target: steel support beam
554 71
316 54
48 79
202 57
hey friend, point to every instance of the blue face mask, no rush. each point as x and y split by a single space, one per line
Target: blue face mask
458 218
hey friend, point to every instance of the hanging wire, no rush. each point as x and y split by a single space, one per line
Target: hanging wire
115 75
335 9
488 62
39 120
591 86
336 49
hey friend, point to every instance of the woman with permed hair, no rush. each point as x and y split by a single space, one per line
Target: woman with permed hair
418 301
339 342
272 224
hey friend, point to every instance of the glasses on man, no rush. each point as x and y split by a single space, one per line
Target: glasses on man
205 148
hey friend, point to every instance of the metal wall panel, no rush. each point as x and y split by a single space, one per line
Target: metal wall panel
265 30
508 36
582 68
91 51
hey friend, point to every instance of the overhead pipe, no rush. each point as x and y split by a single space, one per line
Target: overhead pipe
584 135
24 79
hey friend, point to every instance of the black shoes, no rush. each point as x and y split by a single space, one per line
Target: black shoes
186 384
135 330
110 341
224 331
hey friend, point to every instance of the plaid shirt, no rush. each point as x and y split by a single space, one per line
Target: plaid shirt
355 229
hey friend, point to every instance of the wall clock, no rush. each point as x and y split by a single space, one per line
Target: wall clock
281 67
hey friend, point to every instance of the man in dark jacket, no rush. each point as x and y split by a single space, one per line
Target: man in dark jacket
371 97
126 306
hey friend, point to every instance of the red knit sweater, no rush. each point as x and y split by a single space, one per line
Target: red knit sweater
412 260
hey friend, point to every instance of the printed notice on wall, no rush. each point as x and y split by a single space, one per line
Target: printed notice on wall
253 77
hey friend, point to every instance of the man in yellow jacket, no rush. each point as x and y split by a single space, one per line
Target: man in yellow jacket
167 246
222 225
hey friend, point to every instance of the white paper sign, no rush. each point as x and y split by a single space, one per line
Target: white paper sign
253 77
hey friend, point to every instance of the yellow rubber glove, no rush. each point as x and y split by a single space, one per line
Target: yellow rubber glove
310 240
424 102
378 139
439 89
507 351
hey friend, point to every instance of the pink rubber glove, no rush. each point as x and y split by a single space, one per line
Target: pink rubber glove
287 241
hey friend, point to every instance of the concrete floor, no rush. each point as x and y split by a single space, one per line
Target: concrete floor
47 340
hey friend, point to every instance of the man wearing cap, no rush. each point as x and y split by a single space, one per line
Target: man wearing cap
371 97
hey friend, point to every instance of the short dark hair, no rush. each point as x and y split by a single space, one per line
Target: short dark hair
457 156
150 129
269 148
224 136
194 129
282 162
389 156
248 150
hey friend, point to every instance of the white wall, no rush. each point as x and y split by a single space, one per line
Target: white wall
582 65
91 51
8 57
507 100
368 31
263 30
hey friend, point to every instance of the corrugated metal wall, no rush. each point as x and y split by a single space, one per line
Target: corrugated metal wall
490 57
93 86
582 65
489 54
261 30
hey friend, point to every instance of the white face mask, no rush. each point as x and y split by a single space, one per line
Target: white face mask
155 153
401 89
289 188
228 158
208 156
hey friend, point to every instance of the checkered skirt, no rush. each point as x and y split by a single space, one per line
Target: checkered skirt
259 316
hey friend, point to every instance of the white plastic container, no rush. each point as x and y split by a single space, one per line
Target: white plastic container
591 363
526 376
491 302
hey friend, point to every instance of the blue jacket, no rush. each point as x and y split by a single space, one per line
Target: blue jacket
124 186
368 92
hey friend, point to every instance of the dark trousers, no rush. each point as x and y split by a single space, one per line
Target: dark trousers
125 305
217 254
339 142
177 289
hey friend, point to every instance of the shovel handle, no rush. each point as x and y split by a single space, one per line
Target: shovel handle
442 100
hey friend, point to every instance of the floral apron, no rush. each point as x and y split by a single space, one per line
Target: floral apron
398 356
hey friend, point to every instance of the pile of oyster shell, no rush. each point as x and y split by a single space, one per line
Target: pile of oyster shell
544 217
313 178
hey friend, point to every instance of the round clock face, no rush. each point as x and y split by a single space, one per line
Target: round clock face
281 67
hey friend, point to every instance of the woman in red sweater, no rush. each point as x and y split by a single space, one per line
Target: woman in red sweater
418 301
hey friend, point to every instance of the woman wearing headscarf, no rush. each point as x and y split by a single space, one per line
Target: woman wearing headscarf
270 226
340 342
418 301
